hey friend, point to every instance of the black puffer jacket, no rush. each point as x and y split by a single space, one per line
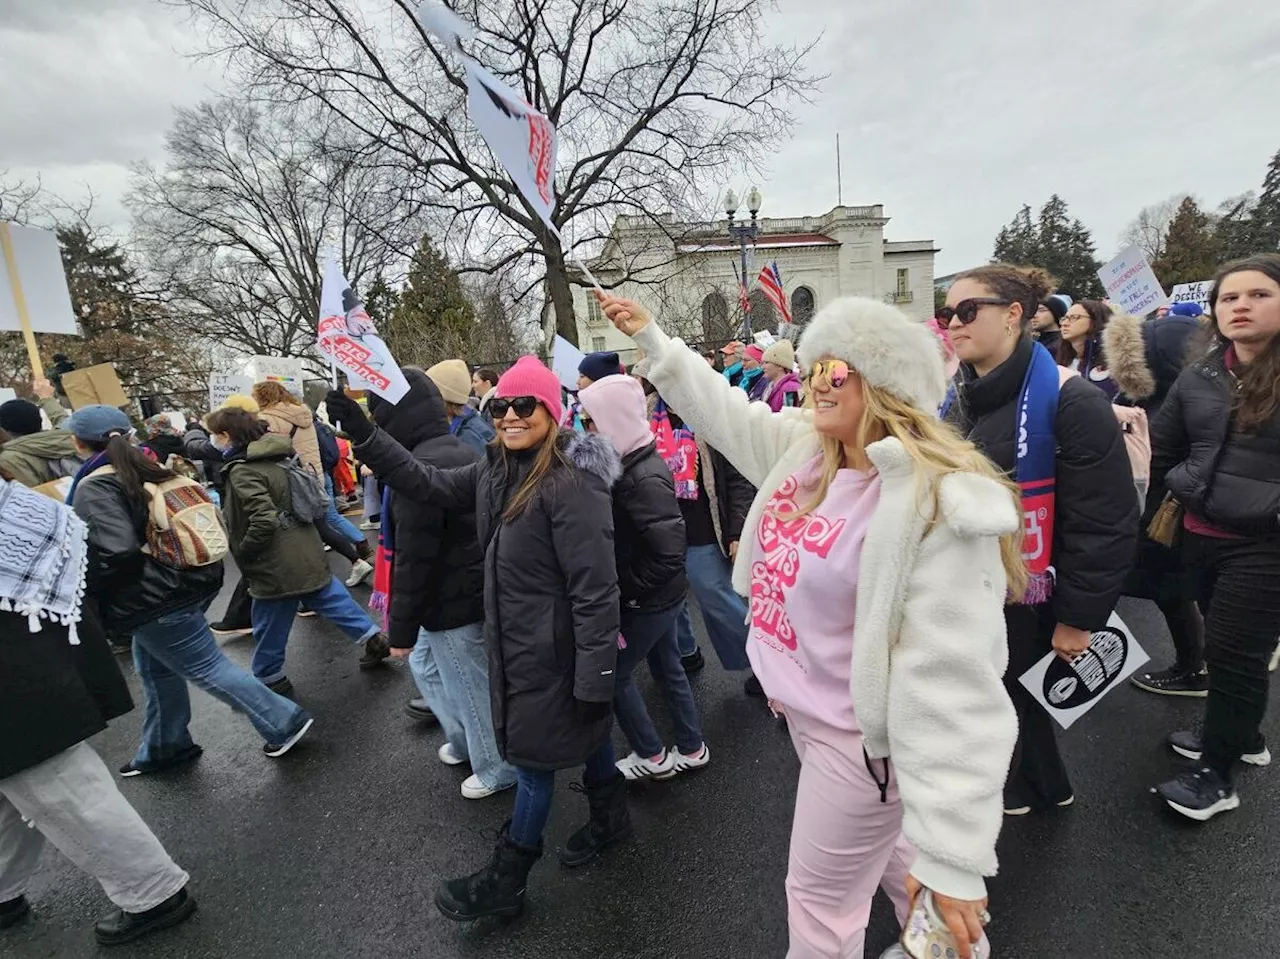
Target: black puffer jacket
198 449
129 586
1230 478
438 577
1145 357
1096 526
550 588
649 539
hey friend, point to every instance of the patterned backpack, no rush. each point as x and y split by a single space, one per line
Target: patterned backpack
185 529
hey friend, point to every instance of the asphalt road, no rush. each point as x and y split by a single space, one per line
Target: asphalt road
335 851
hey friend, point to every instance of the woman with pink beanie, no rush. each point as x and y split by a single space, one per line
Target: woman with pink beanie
544 516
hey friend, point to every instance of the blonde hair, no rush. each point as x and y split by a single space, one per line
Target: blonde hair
935 448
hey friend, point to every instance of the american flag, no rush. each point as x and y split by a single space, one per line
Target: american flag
743 300
771 283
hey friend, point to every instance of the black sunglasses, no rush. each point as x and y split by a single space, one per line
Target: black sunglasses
966 311
523 405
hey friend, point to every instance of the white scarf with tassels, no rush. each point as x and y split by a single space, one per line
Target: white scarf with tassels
43 557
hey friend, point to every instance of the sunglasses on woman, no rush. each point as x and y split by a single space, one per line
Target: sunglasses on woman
523 405
966 311
836 372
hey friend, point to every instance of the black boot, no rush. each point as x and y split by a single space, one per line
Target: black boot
497 889
14 911
610 821
123 926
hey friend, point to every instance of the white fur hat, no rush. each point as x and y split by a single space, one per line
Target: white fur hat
887 349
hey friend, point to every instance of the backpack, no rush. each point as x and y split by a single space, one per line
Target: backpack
308 500
185 530
328 442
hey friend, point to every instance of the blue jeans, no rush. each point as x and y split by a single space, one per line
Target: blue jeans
535 788
338 522
723 611
451 669
652 636
178 648
273 620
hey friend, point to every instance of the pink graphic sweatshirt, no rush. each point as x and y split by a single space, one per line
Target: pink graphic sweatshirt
804 584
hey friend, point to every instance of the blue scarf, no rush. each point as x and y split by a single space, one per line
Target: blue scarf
1035 469
96 461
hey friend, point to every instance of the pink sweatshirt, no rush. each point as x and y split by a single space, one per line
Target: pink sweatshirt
804 584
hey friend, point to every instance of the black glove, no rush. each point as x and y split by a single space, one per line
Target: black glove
588 712
345 413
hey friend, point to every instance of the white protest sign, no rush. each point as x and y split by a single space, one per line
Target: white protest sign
565 359
7 394
44 284
1069 690
1130 283
285 370
348 337
222 385
1192 293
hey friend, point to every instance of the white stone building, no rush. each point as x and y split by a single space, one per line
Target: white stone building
684 272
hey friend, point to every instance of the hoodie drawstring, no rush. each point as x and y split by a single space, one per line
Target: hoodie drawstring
882 786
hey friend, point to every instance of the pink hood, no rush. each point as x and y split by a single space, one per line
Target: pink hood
616 403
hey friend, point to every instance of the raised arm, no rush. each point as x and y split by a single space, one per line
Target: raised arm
750 435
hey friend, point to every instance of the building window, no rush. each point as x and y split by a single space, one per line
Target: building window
801 305
597 342
763 314
715 317
594 316
904 282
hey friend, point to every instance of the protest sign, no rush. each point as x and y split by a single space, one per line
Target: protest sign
565 359
44 284
1192 293
285 370
55 489
7 394
222 385
1130 283
94 384
348 337
1067 691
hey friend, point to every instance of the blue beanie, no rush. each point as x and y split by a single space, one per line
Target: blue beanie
97 423
596 366
1186 309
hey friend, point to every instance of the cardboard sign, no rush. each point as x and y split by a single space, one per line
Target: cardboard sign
222 385
285 370
55 489
1130 283
94 384
1192 293
565 359
346 334
1067 691
44 284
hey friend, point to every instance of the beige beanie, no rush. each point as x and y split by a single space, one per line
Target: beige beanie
452 379
782 354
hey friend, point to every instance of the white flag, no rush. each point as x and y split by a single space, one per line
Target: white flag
348 337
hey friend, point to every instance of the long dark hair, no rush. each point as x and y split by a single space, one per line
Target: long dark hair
243 427
1099 317
1258 397
133 467
549 455
1025 285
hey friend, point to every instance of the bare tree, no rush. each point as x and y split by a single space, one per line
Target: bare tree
1149 228
653 101
237 223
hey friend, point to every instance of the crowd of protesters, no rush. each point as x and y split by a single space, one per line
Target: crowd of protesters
884 527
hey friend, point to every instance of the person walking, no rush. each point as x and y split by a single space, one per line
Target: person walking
753 381
544 517
1216 450
649 543
1080 349
161 605
484 384
32 455
1145 358
59 685
435 612
880 550
454 384
782 386
1077 488
1046 323
279 554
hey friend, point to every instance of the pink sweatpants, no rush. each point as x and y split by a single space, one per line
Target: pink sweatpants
844 843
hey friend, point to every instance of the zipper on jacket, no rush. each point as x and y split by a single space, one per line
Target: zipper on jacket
870 764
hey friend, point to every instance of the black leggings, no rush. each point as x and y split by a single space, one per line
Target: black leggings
1239 587
1037 776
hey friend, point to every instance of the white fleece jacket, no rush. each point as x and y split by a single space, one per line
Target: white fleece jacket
929 638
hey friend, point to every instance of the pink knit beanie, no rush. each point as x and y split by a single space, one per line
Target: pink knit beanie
529 377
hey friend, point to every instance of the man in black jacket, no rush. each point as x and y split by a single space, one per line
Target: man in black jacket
436 611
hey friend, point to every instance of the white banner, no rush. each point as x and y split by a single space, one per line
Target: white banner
222 385
348 337
1069 690
1130 283
565 358
44 284
1192 293
285 370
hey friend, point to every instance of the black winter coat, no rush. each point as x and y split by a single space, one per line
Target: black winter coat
129 586
198 449
1096 526
550 588
438 576
54 695
1230 478
649 538
1144 357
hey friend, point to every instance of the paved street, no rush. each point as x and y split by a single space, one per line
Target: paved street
335 851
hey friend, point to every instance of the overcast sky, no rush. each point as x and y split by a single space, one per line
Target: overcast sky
952 113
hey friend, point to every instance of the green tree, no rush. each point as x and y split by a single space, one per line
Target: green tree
1235 229
1054 241
380 301
433 318
1191 248
1267 212
1018 242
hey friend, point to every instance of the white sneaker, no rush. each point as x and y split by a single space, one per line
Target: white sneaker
636 766
683 763
360 571
1275 658
473 788
370 524
449 757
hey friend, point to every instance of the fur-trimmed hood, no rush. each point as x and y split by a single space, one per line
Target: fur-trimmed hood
888 349
1145 357
593 453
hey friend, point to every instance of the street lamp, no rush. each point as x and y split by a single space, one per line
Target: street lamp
744 233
